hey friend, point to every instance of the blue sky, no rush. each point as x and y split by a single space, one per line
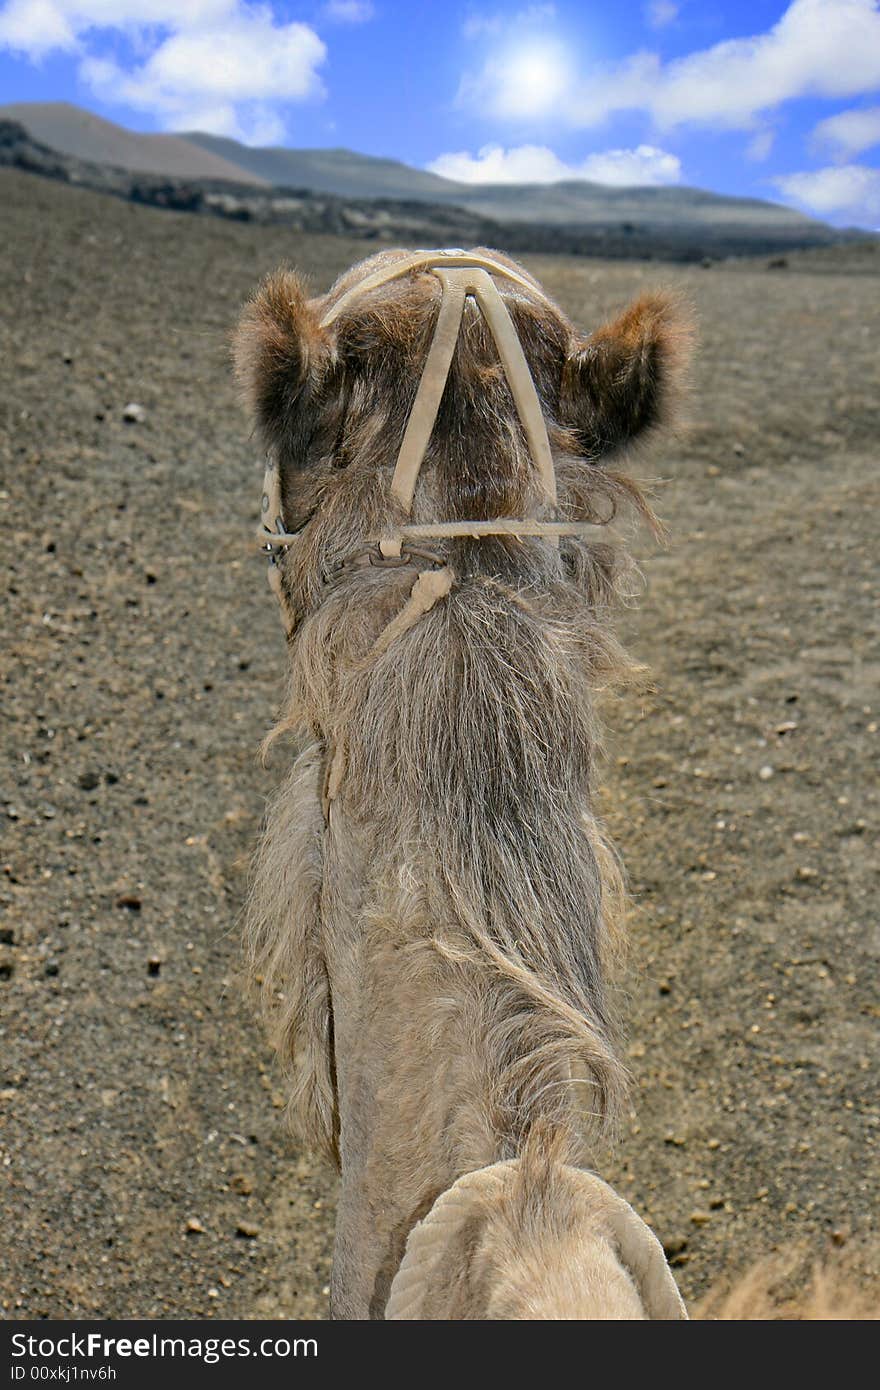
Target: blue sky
761 97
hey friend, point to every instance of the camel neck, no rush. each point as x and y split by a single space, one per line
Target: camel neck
419 1089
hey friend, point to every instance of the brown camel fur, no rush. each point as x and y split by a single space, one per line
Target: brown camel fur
433 941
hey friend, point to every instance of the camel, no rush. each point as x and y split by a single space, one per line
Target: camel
434 911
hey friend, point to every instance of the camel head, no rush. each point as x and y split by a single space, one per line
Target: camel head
331 382
533 1240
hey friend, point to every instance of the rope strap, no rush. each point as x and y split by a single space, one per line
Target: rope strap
461 275
270 541
425 260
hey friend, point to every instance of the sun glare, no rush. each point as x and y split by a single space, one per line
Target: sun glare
535 77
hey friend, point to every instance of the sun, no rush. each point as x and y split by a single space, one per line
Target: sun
534 76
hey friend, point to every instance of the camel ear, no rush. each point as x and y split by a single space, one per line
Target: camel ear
280 353
627 376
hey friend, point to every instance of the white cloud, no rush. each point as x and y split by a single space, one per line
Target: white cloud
626 168
493 164
349 11
225 66
659 13
761 145
479 24
825 48
539 164
850 132
36 27
840 190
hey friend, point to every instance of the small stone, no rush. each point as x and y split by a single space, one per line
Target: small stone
766 772
239 1182
674 1245
194 1227
247 1230
51 968
699 1218
89 780
154 965
130 901
806 872
134 414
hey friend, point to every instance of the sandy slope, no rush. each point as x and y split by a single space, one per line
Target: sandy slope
145 1168
74 131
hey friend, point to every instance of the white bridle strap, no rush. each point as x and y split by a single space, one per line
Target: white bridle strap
519 377
461 274
424 260
423 415
459 283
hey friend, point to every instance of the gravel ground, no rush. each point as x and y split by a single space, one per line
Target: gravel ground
146 1170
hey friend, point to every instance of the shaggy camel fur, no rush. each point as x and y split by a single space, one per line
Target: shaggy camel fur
433 907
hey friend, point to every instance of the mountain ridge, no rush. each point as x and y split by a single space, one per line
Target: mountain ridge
71 130
568 218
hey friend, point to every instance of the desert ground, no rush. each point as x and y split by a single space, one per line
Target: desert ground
146 1169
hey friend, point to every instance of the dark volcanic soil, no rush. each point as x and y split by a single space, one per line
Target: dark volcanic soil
145 1166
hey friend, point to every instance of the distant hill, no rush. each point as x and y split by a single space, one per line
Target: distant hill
339 191
70 130
346 174
571 203
341 172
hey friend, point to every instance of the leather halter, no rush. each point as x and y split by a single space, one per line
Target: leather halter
462 275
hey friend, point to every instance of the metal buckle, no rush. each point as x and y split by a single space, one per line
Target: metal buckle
386 562
409 555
